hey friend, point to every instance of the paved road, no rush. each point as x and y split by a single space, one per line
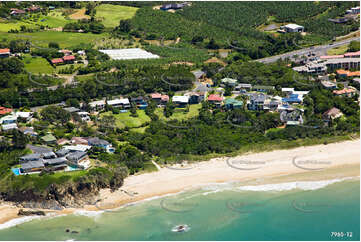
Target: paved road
318 50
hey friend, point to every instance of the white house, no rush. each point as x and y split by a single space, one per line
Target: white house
6 127
180 100
25 115
84 116
292 28
122 103
97 104
74 148
8 119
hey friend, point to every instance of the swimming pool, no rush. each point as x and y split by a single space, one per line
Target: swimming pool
16 171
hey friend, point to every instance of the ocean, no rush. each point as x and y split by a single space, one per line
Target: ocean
323 210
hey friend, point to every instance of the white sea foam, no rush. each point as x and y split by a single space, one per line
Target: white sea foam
17 221
287 186
21 220
88 213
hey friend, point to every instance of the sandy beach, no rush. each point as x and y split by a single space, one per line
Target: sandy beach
310 163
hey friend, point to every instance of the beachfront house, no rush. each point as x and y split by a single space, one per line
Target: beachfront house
346 92
97 105
75 148
77 157
256 102
231 103
332 114
49 139
6 127
329 84
84 116
195 97
49 155
71 109
215 99
139 101
32 166
292 98
28 131
159 98
62 152
101 144
260 88
229 82
180 101
9 119
122 103
243 87
79 141
30 157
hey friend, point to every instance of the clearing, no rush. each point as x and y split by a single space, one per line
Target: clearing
112 14
79 14
125 120
338 50
37 65
179 113
65 39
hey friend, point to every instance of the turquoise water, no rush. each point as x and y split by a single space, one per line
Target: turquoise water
215 212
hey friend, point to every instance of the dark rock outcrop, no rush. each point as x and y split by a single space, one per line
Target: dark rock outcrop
31 213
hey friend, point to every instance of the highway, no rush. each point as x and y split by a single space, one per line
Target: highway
317 50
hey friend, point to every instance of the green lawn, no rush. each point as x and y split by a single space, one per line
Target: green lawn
65 39
338 50
84 78
125 120
37 65
111 14
179 114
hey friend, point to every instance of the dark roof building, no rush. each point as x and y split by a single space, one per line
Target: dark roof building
30 157
76 156
55 161
97 142
33 165
62 152
49 155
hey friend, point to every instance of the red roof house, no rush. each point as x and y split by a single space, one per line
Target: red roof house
165 98
4 110
156 96
4 52
215 98
69 58
57 61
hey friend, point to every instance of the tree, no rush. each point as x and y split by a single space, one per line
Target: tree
73 102
124 26
53 45
133 110
55 114
107 123
19 139
354 46
212 45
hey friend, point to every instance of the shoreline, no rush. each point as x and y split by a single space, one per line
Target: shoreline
335 160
